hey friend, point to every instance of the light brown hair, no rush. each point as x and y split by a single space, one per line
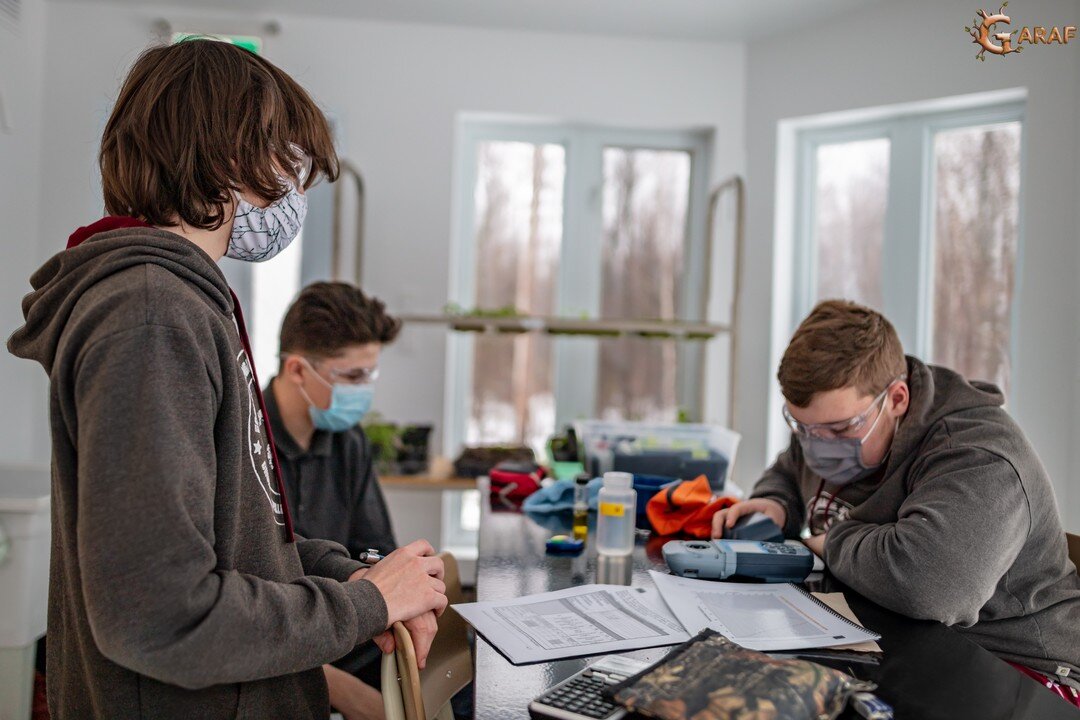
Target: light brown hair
840 344
328 317
199 119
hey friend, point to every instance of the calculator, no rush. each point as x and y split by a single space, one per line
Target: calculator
721 559
579 696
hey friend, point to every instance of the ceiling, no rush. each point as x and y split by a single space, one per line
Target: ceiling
702 20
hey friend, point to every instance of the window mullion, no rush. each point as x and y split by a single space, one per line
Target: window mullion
904 282
576 358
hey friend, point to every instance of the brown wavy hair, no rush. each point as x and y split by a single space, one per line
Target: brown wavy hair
199 119
840 344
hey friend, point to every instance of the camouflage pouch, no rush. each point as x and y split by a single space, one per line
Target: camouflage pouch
712 678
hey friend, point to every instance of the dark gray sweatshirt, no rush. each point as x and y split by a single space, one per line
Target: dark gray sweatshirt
173 590
961 526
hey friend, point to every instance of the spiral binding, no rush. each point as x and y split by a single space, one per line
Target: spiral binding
832 612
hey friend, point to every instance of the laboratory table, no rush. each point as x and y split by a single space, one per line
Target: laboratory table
927 670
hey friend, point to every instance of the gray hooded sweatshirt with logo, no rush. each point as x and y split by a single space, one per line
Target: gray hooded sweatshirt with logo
173 590
960 526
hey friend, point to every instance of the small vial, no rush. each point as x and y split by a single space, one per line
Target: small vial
618 514
581 507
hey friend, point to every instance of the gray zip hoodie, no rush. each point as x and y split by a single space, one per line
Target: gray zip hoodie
174 591
961 526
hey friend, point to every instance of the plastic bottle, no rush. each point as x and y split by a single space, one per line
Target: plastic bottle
618 515
581 507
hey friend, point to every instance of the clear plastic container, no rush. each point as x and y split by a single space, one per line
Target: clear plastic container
617 515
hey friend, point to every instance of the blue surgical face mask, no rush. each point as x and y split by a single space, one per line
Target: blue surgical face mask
349 403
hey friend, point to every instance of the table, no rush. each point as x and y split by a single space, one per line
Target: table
928 671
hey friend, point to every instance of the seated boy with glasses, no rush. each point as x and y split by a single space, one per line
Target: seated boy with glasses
920 492
330 343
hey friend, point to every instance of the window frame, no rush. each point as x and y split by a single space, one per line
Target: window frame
908 214
577 284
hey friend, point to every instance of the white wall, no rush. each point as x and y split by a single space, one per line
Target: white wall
902 52
397 90
22 384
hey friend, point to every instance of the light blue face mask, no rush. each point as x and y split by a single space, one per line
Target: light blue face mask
349 403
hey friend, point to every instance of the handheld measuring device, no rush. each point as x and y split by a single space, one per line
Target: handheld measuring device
721 559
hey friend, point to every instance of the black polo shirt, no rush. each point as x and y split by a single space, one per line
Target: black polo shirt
331 487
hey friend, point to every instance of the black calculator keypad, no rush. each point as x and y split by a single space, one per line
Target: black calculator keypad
581 695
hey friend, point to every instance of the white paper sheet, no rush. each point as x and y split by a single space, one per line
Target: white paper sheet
585 620
759 616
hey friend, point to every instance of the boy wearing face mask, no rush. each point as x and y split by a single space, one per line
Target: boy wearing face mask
920 492
178 588
330 343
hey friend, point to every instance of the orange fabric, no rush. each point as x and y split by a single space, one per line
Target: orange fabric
700 523
686 507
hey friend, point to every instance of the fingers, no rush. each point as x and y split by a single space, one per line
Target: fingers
718 523
434 566
736 511
442 602
419 547
385 642
422 629
437 585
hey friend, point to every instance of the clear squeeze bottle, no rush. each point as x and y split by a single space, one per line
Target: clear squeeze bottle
617 516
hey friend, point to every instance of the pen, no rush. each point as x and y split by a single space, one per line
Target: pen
370 556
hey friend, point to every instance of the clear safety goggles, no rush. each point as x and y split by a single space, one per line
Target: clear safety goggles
842 428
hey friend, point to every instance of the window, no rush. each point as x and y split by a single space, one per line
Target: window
576 222
916 216
646 198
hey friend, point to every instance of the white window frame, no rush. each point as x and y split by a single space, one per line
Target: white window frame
908 216
578 281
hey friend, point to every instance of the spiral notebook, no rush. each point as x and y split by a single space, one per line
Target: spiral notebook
766 616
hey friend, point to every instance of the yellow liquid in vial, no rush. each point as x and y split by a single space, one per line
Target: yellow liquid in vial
581 524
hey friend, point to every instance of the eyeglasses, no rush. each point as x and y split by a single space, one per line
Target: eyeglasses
302 165
352 376
841 428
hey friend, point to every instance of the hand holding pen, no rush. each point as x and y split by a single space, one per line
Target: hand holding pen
410 580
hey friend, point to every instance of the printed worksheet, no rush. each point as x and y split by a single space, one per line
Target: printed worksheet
759 616
585 620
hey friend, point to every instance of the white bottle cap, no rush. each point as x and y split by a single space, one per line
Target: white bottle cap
618 480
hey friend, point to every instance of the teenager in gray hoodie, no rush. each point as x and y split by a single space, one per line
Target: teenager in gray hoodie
920 492
177 586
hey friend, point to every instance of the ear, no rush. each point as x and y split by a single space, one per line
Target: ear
292 369
899 398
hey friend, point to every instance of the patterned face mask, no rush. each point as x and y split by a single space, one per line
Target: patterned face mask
259 234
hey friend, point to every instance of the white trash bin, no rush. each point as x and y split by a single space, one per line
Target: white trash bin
24 581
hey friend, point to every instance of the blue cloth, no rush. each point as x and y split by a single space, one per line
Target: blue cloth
559 496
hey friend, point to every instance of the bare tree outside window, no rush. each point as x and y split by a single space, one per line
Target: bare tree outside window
851 192
977 186
645 199
518 220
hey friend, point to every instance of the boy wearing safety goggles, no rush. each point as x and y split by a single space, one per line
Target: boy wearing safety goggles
920 492
330 343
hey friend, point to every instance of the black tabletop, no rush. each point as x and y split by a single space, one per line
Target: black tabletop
927 670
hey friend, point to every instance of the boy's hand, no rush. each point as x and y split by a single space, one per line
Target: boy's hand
422 629
410 581
725 518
